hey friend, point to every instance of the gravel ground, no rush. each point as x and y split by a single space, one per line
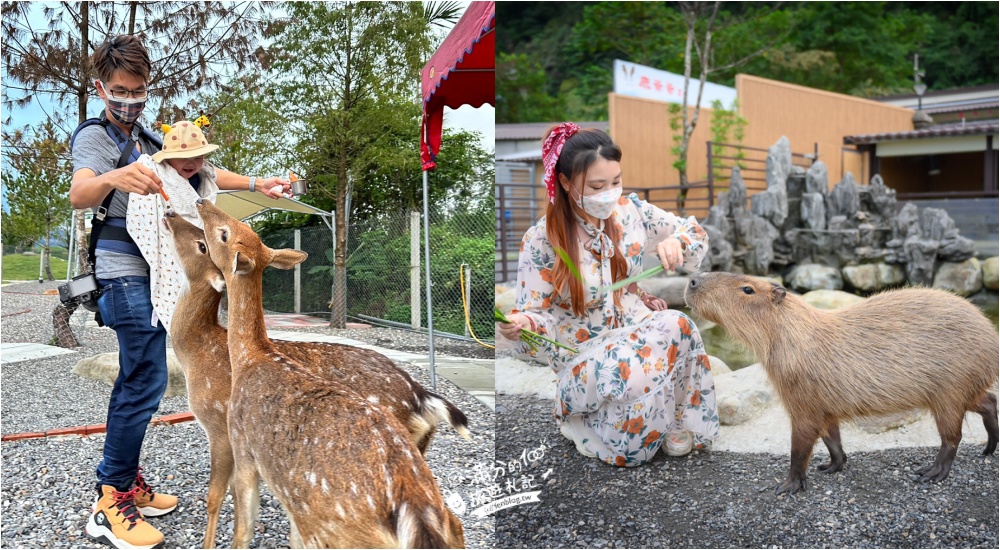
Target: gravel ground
726 500
47 484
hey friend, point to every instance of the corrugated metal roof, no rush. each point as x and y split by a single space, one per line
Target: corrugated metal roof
521 156
943 130
536 130
938 93
964 107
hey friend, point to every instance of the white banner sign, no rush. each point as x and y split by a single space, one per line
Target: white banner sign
637 80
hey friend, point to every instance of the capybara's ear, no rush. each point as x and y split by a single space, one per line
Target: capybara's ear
777 293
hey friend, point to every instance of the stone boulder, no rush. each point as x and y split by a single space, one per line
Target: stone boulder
808 277
104 368
761 241
879 201
772 206
964 278
720 251
830 299
718 366
812 210
779 163
871 277
817 180
884 423
990 273
843 199
743 395
736 197
670 289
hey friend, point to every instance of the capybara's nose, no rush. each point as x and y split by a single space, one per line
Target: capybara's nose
694 282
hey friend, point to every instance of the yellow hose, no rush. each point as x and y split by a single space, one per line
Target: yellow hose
465 307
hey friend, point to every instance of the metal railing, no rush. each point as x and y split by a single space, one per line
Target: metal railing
752 169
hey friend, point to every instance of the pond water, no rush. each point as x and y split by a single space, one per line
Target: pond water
719 344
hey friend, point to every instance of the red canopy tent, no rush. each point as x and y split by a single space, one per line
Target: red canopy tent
460 72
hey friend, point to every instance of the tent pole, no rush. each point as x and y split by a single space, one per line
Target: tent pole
427 269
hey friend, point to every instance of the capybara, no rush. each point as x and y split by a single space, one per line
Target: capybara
895 351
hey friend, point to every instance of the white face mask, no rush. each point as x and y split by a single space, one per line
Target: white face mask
600 205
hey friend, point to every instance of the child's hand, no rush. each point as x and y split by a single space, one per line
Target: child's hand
275 187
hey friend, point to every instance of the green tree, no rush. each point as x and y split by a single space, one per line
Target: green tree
364 62
192 45
520 93
37 188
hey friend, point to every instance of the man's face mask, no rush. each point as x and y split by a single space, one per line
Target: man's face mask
125 109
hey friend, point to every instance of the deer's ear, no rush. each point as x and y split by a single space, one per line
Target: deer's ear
242 264
287 258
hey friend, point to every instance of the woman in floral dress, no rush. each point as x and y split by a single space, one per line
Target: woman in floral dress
639 376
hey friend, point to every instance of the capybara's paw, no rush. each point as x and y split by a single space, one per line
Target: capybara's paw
830 467
791 486
933 472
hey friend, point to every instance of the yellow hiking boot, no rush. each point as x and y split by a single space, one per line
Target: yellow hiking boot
117 521
152 504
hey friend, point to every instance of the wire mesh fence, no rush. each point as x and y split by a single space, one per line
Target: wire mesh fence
385 271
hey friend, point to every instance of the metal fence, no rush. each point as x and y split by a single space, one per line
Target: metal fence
385 273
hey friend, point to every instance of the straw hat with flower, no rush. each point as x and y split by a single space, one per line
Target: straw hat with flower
183 140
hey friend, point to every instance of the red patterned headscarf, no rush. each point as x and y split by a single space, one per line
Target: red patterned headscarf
551 149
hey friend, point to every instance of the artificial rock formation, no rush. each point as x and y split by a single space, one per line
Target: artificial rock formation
851 228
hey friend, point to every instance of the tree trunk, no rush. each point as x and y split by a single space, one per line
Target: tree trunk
62 335
338 312
686 129
338 316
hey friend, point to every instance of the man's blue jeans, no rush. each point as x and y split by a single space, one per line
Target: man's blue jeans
142 378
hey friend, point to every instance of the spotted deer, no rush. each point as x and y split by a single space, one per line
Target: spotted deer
201 345
344 470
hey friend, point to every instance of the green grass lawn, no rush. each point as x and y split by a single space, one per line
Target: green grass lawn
18 267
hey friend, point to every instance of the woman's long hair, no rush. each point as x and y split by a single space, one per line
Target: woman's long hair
579 152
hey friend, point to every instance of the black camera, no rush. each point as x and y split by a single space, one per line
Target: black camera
82 290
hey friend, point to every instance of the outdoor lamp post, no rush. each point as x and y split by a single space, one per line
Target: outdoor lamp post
918 86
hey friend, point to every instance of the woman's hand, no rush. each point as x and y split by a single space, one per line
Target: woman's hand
512 330
273 187
671 253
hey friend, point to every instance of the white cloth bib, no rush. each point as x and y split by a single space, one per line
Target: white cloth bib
144 225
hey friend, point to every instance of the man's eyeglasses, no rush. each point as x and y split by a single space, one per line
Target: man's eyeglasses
121 93
124 94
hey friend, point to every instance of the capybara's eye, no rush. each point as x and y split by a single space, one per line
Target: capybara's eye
201 248
747 290
225 235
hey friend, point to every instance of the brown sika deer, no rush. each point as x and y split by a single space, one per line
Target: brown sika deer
344 470
201 346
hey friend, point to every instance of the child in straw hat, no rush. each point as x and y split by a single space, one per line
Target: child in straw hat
185 177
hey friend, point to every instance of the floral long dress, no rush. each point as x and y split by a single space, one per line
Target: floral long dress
637 374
